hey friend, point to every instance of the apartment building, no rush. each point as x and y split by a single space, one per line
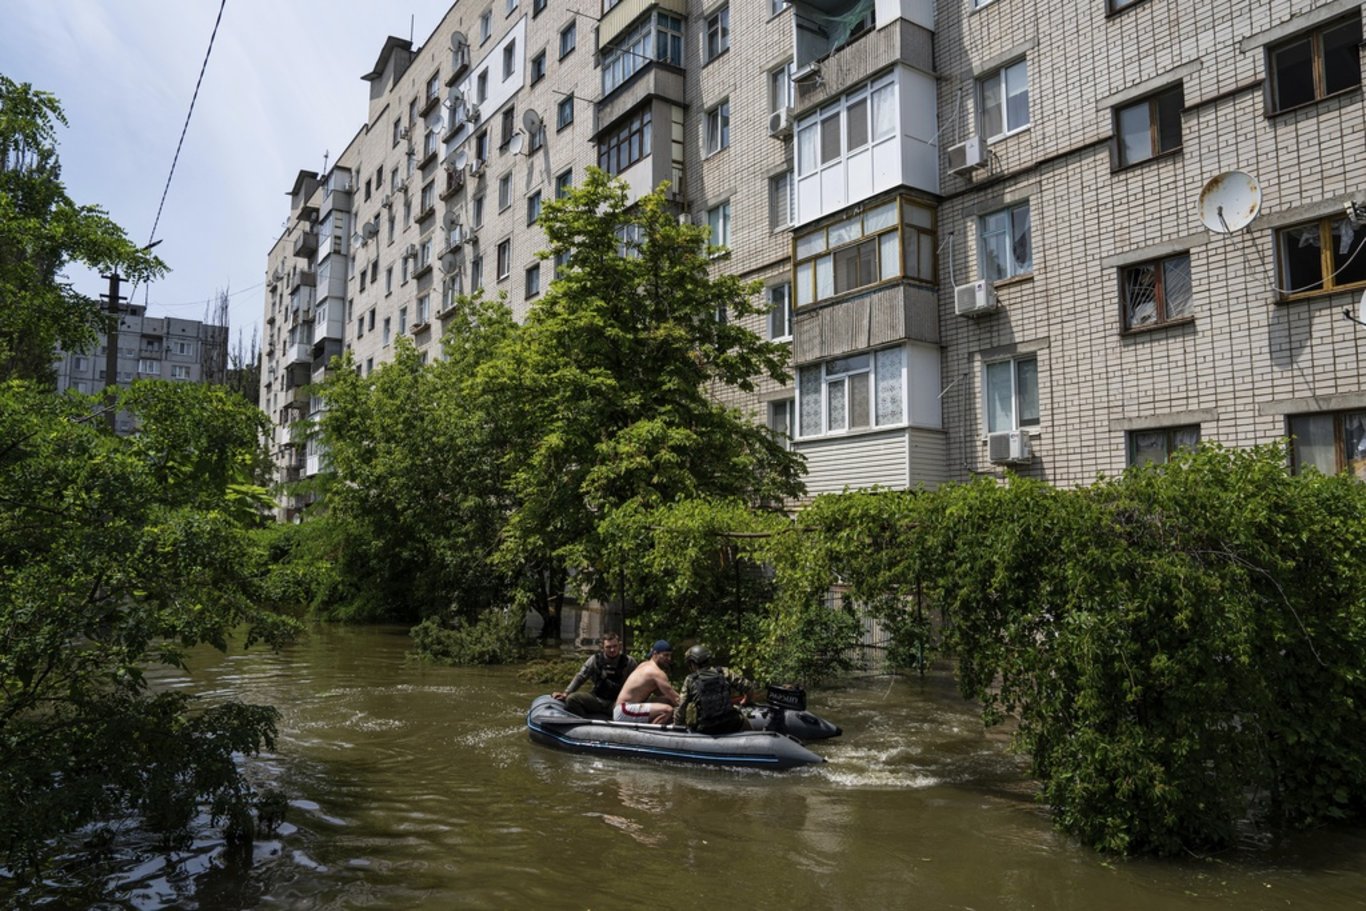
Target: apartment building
978 222
161 347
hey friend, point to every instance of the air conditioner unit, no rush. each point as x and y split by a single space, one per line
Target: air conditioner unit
387 201
411 252
476 167
1010 447
967 157
974 299
780 122
472 113
402 132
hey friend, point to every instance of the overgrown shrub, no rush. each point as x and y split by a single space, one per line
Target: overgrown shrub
497 637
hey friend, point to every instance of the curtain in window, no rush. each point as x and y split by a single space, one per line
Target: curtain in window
1000 398
809 390
1354 439
889 402
1312 442
884 111
1027 392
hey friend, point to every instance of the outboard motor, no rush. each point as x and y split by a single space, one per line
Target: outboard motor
786 713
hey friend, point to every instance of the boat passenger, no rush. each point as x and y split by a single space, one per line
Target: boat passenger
649 679
708 705
607 670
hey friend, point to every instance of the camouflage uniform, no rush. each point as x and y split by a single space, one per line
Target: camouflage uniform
706 704
607 676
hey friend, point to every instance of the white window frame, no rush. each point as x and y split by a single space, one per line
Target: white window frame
834 380
504 262
1019 418
1007 82
880 94
716 128
1011 265
718 219
532 280
716 34
569 39
780 312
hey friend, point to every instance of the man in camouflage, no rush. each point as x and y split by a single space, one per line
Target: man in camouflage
607 671
707 705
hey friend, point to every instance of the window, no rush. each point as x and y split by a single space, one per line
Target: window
627 144
1157 292
183 347
477 211
511 7
1005 100
780 93
537 7
717 34
852 393
780 312
777 6
865 250
561 261
476 273
429 142
535 141
1012 394
428 199
481 86
533 207
424 254
433 87
485 25
1331 443
389 279
424 307
509 126
533 280
384 335
149 367
564 112
1156 446
504 191
563 183
1321 256
481 146
1005 244
370 320
504 259
398 135
780 201
717 128
780 422
658 36
568 39
1117 5
537 67
369 366
1315 65
509 59
180 371
78 363
403 271
1150 127
374 271
855 118
718 219
412 111
402 320
392 223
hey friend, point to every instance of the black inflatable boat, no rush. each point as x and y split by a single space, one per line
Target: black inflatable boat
772 742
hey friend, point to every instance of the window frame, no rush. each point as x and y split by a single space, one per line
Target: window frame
569 34
1016 395
562 106
1015 269
1170 443
1154 110
779 321
1328 270
716 128
533 272
533 207
1161 304
827 381
715 34
1315 37
634 131
564 181
720 225
807 290
1342 461
538 64
503 262
1000 75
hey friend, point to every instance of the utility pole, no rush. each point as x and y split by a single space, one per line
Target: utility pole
111 359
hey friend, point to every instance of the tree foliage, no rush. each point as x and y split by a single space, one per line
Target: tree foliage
42 231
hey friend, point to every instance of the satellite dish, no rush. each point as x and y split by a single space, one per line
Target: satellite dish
457 96
452 220
515 143
532 121
1230 201
462 158
458 42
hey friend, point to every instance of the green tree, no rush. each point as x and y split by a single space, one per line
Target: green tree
608 387
114 552
41 232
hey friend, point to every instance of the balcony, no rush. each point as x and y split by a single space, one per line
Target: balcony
655 80
299 354
303 278
306 243
455 182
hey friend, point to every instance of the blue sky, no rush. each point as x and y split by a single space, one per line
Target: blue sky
282 87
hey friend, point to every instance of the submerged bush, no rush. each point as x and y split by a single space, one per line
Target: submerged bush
497 637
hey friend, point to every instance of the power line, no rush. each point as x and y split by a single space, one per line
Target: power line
211 299
185 129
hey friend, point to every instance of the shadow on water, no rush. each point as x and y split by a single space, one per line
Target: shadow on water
416 787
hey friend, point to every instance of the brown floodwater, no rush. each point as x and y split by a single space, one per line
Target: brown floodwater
413 786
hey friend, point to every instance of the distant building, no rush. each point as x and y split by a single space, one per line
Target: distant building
161 347
977 222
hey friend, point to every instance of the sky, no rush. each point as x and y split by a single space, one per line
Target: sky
281 89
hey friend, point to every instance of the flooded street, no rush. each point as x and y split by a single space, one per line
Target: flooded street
417 787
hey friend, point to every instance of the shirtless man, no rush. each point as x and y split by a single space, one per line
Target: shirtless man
649 678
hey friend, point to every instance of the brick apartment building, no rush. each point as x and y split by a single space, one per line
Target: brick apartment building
978 222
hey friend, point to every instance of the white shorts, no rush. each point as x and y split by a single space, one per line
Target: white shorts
637 712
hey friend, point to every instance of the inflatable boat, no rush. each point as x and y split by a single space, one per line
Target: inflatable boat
771 743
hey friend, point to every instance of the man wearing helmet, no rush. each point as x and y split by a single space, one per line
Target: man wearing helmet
707 704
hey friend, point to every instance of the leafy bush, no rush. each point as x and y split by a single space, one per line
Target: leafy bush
497 637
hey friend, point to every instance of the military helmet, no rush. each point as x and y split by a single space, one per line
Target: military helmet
699 655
